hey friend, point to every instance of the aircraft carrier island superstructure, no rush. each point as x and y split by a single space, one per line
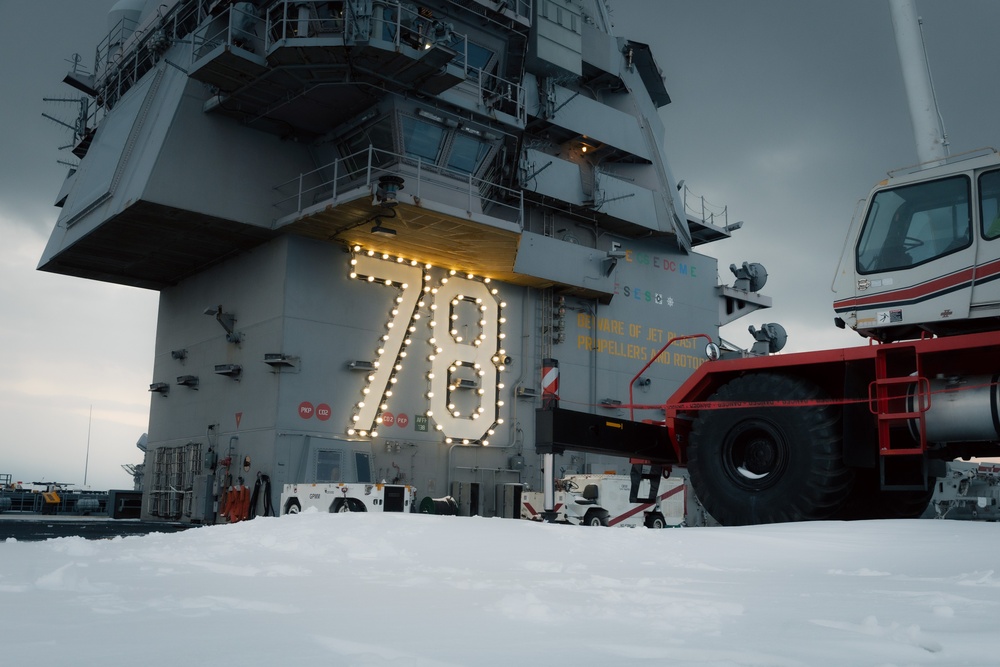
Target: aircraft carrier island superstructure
373 226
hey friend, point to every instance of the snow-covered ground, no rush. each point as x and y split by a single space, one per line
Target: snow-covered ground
391 589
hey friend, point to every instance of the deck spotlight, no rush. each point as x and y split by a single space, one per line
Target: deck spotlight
388 186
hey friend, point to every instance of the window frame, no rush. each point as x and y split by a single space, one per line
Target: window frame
994 224
902 231
338 466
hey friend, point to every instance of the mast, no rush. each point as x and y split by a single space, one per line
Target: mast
928 130
86 463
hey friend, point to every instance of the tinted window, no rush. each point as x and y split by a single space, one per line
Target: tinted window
378 135
466 152
479 56
914 224
989 204
422 139
328 466
363 464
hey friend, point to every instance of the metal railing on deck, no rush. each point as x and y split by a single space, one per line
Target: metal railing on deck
708 213
129 51
522 8
285 23
238 26
364 168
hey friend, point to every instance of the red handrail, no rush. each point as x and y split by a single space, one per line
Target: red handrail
656 356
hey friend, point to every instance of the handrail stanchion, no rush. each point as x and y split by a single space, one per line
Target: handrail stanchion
368 176
336 175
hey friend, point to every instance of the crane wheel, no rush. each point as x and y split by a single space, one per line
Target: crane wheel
768 464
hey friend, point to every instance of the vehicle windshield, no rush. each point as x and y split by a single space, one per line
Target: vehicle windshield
913 224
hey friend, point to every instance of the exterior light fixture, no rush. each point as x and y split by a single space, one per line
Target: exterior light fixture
383 231
388 186
229 370
228 322
610 261
278 360
161 388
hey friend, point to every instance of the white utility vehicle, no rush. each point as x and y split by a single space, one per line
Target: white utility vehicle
343 497
604 500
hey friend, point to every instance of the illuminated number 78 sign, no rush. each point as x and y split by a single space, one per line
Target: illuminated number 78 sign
465 348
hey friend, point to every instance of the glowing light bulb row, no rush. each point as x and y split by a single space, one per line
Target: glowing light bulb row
392 347
457 357
450 349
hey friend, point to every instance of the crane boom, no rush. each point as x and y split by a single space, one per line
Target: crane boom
927 127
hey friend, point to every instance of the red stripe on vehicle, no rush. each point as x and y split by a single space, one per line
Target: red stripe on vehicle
643 507
923 290
534 512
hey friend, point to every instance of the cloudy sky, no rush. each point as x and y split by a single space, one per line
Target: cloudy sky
786 111
790 111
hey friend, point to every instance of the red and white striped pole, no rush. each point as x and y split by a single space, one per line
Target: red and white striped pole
550 383
550 399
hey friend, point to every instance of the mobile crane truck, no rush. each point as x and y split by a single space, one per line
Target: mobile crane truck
859 432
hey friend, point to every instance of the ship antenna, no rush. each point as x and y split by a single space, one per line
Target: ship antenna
86 463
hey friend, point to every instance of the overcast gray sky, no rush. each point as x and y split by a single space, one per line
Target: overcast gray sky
786 111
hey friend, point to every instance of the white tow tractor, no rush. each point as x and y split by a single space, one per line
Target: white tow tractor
604 500
344 497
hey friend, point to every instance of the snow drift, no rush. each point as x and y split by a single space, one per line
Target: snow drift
380 589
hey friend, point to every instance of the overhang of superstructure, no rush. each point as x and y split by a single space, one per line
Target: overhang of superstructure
170 185
153 246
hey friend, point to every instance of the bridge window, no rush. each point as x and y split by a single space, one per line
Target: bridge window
480 58
422 140
355 146
466 153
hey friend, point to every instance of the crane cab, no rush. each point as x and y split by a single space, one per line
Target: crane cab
925 256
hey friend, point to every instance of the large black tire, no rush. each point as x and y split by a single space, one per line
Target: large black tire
768 464
595 518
